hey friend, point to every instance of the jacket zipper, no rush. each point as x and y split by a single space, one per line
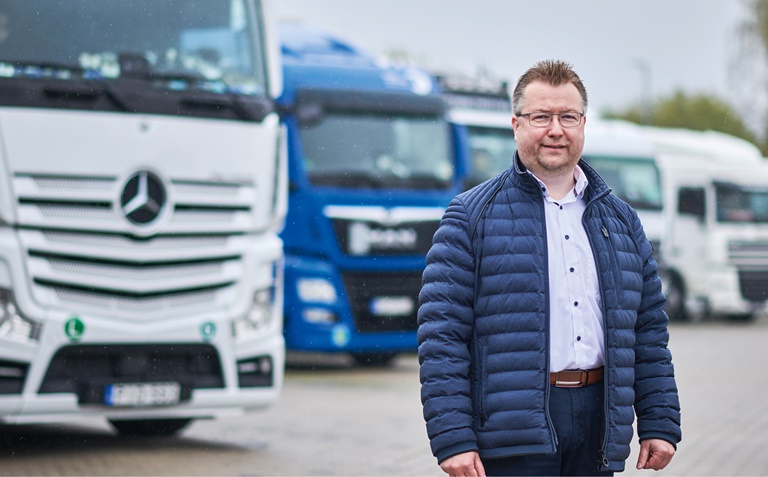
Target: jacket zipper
604 446
483 357
546 337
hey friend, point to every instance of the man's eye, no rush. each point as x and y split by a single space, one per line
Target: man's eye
540 118
570 118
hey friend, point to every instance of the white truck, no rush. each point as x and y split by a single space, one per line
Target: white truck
480 112
141 196
716 239
701 196
703 200
626 159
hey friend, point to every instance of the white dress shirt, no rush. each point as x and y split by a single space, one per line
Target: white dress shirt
576 326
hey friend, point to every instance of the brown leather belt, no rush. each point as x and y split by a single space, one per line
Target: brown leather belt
576 378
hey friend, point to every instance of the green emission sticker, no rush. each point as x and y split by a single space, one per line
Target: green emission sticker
208 329
74 328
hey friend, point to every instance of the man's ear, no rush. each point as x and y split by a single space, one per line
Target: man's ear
515 124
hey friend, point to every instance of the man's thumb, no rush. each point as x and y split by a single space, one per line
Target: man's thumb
642 459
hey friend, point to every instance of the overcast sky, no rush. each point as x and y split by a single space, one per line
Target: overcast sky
680 44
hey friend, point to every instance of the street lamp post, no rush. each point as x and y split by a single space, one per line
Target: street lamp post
646 102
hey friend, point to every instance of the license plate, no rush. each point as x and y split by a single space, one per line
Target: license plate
391 306
142 394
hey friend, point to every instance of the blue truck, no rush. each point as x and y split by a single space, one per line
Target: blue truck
372 166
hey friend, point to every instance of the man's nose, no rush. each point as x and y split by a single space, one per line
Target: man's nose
555 128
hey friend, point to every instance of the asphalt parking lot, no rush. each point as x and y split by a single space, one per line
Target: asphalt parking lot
335 419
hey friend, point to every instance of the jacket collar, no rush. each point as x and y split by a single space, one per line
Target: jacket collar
596 187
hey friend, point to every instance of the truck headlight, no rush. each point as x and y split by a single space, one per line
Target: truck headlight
13 325
259 317
316 290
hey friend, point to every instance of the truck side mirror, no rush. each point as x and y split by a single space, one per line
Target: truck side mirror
309 113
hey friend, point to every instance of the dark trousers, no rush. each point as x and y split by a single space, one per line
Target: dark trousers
577 414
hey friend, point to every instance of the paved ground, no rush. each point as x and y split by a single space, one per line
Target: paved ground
333 419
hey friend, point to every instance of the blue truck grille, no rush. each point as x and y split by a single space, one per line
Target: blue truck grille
364 288
371 238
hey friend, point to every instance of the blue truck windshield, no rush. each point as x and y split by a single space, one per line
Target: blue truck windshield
377 151
492 150
633 179
737 203
181 44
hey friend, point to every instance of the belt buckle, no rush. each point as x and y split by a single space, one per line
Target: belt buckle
569 384
572 384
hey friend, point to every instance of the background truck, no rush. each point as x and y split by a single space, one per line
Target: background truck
703 200
701 196
625 158
480 111
715 243
141 199
371 170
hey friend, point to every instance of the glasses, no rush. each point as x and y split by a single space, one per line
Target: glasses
542 120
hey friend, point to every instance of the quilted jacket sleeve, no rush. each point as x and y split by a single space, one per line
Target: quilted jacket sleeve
445 330
656 399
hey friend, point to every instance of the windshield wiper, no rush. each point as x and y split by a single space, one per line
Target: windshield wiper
255 109
41 69
74 81
366 180
86 91
201 91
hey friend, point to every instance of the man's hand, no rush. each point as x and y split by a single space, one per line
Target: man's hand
467 464
655 454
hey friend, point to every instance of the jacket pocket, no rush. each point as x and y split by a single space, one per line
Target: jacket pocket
483 377
478 380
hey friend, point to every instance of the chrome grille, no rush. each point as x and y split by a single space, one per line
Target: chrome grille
752 254
82 252
137 305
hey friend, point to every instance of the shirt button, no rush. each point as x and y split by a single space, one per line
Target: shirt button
561 207
575 303
578 338
571 269
567 237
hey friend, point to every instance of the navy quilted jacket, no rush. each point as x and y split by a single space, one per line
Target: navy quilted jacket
483 325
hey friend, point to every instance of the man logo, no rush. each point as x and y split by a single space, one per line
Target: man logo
364 239
143 199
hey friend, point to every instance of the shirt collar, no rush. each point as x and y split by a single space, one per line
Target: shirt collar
580 183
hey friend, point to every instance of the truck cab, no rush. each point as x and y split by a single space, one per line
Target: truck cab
480 112
371 171
716 229
140 205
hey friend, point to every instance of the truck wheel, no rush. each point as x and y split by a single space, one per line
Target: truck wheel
374 360
149 427
675 294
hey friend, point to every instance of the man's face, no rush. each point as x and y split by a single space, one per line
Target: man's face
552 150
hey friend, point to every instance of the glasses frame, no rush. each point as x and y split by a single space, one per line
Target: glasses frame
551 117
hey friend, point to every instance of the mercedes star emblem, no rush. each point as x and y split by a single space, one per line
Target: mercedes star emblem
143 198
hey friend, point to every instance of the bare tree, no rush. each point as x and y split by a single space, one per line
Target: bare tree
748 72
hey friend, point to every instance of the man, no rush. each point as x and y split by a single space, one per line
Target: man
541 322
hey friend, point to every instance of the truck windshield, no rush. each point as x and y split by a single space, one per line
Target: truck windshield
377 151
190 44
737 203
633 179
492 151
